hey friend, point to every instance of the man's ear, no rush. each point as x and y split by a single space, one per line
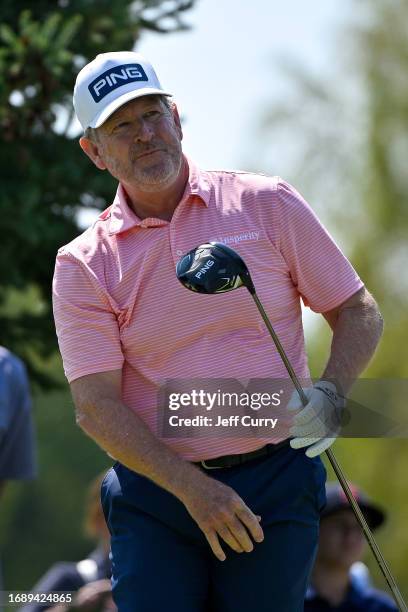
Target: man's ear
177 120
92 150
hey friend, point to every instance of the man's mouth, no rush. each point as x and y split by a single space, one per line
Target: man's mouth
147 153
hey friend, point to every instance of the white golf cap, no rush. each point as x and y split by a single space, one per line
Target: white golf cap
108 82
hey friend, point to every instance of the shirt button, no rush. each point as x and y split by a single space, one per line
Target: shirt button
179 253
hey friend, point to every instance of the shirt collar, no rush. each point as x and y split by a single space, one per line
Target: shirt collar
122 217
199 183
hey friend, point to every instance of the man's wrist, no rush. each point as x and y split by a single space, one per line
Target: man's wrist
335 384
189 479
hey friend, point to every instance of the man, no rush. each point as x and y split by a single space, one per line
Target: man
17 442
227 522
341 545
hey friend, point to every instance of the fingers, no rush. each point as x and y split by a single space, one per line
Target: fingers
241 534
316 445
233 531
320 447
237 528
235 536
297 443
295 403
308 414
221 513
214 542
229 538
251 522
317 425
315 429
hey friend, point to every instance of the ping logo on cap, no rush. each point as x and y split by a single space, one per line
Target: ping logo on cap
115 77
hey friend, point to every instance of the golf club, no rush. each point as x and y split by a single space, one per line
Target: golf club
216 268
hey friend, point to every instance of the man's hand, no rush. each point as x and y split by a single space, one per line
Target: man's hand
94 596
316 425
220 512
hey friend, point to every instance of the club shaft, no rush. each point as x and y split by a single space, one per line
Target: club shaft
367 532
337 469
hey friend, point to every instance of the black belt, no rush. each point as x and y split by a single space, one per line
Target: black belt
227 461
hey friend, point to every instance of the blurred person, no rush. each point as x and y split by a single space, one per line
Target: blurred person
71 576
95 596
17 439
340 582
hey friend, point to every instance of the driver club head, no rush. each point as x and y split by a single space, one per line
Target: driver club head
213 268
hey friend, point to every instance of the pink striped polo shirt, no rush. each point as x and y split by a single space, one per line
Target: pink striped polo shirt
118 303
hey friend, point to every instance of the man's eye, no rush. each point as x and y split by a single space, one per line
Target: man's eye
123 124
153 114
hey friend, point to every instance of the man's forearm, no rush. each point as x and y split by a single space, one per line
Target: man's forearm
216 508
126 438
355 337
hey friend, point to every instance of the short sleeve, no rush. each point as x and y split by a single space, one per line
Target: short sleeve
85 321
322 274
17 438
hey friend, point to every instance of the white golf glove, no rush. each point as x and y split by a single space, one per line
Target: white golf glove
317 424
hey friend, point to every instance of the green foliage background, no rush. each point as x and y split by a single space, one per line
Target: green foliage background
45 179
350 157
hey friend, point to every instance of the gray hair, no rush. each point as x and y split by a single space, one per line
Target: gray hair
92 133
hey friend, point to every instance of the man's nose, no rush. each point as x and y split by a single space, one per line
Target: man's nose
144 131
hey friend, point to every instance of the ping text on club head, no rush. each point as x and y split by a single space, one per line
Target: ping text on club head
204 269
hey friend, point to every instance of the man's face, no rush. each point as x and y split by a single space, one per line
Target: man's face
341 540
141 144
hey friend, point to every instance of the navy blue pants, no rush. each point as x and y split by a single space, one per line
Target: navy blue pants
161 560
